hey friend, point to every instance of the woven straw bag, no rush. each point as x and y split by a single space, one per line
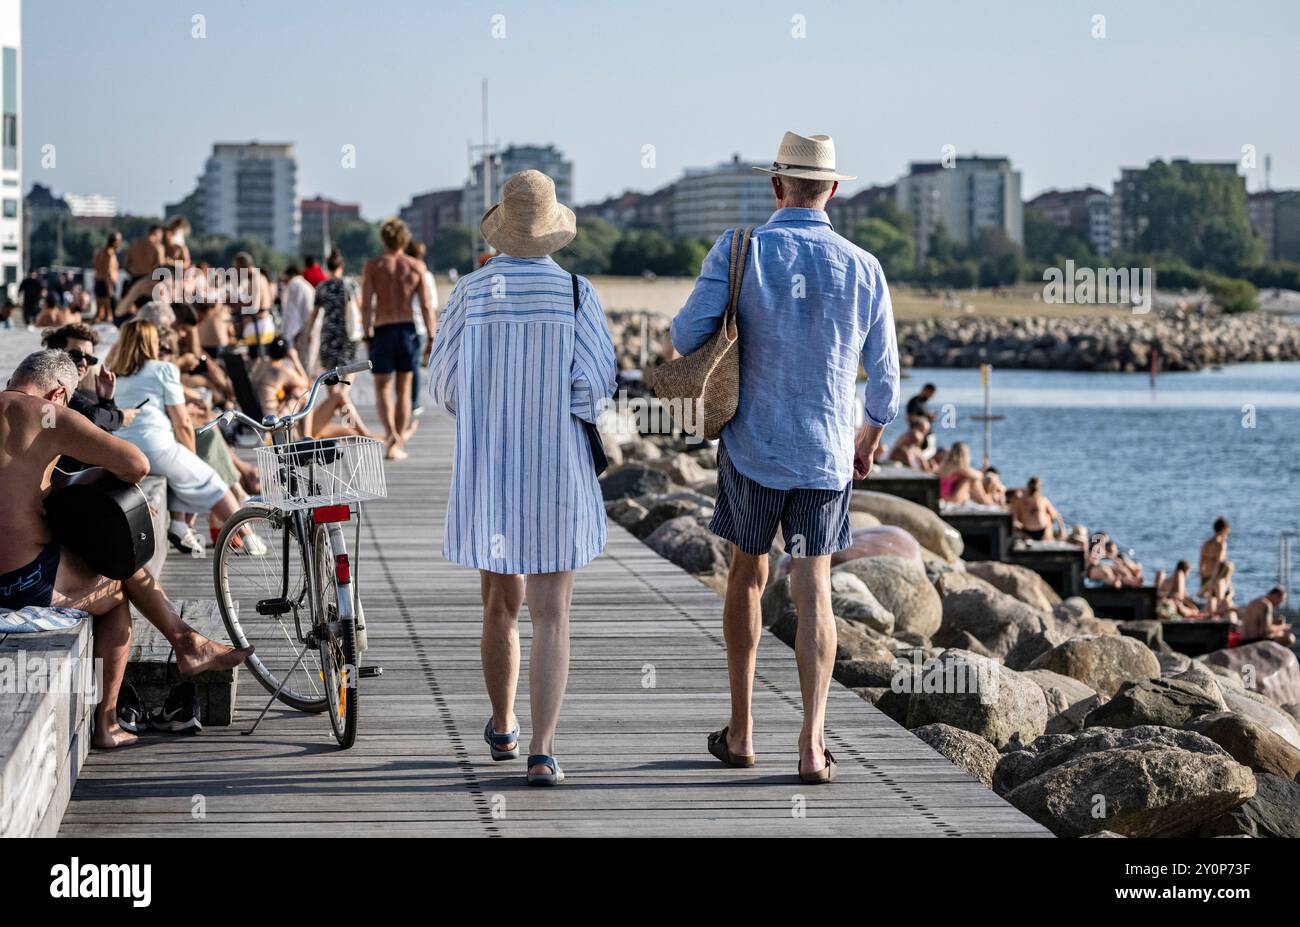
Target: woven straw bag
703 388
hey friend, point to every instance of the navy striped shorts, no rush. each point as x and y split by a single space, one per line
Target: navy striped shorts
814 522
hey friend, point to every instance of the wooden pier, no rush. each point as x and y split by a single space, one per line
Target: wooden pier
648 682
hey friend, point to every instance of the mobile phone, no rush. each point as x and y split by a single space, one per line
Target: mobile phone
144 402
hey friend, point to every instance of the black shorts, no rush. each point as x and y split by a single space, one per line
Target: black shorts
814 522
1034 534
101 289
32 584
395 347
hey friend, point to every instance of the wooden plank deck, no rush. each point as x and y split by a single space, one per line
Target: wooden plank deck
648 681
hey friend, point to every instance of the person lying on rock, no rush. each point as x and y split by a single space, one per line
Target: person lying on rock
36 428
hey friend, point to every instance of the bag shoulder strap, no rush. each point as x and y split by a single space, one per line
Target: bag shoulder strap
577 300
736 268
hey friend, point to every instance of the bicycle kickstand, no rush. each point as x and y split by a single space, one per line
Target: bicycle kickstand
276 693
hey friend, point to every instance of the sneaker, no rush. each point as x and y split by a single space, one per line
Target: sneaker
130 710
250 545
186 541
417 411
181 712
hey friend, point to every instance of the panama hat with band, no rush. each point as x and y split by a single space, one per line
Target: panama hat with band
528 222
808 157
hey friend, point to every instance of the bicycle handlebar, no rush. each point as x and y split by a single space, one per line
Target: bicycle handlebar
329 377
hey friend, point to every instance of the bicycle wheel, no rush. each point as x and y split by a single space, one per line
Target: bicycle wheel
338 644
277 582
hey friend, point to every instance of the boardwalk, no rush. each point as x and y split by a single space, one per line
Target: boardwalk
648 682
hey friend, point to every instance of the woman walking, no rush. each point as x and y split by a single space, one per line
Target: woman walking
522 359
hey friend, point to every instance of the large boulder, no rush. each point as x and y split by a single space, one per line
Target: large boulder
865 674
1274 811
1164 702
997 620
1018 581
625 511
633 479
1249 743
851 600
682 469
1030 647
1148 632
931 531
959 581
1051 750
902 588
1138 793
979 695
1068 700
1256 708
660 509
1103 662
690 545
1265 667
880 541
970 752
854 641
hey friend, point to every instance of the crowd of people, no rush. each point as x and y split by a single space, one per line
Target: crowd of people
1035 518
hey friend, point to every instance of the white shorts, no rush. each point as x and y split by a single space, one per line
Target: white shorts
192 486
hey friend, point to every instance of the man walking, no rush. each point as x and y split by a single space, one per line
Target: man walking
812 306
391 285
106 271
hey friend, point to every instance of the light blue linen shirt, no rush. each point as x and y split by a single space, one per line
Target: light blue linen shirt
812 305
521 372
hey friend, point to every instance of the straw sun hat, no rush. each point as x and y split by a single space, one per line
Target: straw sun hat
811 157
528 222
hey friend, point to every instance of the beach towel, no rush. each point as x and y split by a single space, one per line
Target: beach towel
32 619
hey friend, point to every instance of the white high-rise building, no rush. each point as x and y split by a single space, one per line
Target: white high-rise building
708 201
248 189
972 194
11 178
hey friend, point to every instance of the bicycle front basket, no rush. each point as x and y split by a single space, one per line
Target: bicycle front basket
315 473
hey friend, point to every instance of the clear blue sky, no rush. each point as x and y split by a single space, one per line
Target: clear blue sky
133 103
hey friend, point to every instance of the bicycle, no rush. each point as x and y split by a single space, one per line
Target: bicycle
301 594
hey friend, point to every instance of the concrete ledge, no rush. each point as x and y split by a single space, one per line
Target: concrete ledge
151 670
44 726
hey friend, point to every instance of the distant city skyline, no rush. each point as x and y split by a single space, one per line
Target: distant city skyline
602 82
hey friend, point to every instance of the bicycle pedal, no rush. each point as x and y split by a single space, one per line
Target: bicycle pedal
370 672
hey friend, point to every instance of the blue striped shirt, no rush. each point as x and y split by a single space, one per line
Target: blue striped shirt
520 373
812 305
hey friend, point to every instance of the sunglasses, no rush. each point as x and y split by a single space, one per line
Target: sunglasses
81 358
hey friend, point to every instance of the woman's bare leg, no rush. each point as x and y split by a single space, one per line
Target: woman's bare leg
548 596
502 594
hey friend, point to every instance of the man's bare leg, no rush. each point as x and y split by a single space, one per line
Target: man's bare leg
503 594
548 595
742 627
77 586
814 651
194 652
384 409
112 644
402 414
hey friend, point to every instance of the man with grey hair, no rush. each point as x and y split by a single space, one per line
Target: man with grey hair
812 308
36 428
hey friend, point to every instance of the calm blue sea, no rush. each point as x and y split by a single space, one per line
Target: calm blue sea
1153 467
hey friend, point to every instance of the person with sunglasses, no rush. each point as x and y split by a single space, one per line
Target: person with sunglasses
94 396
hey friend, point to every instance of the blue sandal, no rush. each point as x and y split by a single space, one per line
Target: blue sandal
497 743
554 777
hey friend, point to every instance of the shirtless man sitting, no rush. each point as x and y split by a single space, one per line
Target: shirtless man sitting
281 382
909 449
1033 515
36 428
391 285
1260 620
